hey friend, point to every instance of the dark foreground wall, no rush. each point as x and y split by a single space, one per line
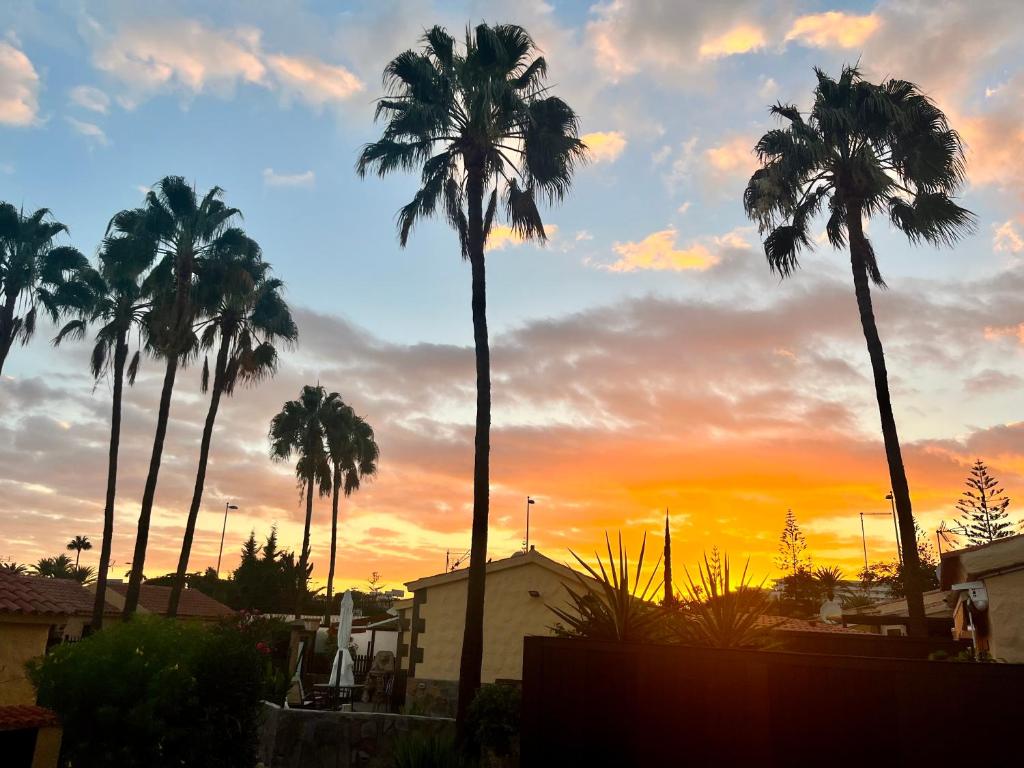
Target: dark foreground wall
609 704
297 738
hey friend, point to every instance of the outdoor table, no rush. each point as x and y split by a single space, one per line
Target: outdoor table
333 696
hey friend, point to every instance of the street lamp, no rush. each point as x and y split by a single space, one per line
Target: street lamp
227 505
529 503
864 538
896 527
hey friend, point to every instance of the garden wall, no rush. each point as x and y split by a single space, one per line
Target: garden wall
294 738
617 704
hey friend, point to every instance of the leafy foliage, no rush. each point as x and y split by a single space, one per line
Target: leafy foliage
61 567
792 557
864 147
419 750
612 604
830 579
894 573
983 507
494 719
154 693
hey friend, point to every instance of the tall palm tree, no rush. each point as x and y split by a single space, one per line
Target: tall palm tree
117 301
244 316
300 429
353 453
78 545
471 120
33 272
863 149
181 228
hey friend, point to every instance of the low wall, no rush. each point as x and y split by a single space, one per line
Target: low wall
616 704
294 738
433 698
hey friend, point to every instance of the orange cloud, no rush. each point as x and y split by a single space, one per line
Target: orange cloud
742 38
834 29
606 146
1006 238
502 236
313 81
19 87
659 252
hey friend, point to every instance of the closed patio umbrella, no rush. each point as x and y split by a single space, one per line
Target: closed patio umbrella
342 671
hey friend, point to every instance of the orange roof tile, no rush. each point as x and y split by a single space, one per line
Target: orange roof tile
39 595
17 717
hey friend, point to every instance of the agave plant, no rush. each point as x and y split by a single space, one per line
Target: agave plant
610 605
720 616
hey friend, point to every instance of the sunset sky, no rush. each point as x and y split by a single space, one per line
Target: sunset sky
645 358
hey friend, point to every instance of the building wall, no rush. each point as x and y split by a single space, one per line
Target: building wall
19 642
1006 616
510 614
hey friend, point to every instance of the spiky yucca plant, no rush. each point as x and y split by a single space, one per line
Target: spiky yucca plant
610 604
720 616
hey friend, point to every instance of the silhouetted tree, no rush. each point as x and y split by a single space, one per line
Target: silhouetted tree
474 120
33 273
117 300
863 149
668 598
792 557
243 316
180 228
983 515
300 429
78 545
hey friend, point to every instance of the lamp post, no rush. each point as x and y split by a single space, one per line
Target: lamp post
227 505
896 527
529 503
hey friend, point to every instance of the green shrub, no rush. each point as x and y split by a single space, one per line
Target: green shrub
494 719
154 693
418 750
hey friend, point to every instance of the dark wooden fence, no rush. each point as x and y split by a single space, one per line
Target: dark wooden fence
611 704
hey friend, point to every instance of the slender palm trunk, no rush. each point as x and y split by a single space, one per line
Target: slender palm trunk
897 473
131 599
335 501
6 328
100 603
220 367
300 581
473 636
78 554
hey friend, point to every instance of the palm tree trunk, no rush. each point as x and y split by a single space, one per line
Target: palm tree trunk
131 599
893 455
78 554
100 603
6 328
473 635
220 367
335 500
300 582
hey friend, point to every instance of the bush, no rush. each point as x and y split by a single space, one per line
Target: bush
494 719
155 692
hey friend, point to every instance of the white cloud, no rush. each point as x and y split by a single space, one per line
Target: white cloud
89 130
188 56
274 179
1006 238
88 97
314 81
19 87
605 146
768 89
684 207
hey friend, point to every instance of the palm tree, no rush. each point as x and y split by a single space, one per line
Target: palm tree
863 149
33 272
245 315
12 567
300 429
830 579
78 545
353 453
474 120
118 301
180 228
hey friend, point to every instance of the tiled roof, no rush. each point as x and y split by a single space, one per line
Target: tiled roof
193 603
20 716
789 624
38 595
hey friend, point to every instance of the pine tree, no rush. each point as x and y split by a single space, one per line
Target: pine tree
792 548
983 515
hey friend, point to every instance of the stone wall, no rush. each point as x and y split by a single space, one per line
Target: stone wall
432 698
294 738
